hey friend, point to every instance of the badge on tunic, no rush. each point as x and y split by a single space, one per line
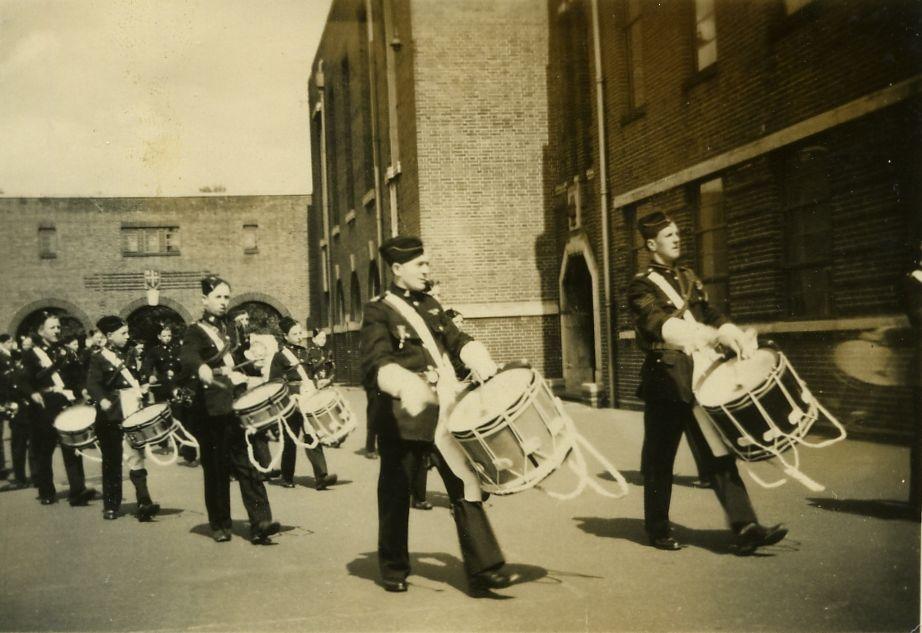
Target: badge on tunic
402 333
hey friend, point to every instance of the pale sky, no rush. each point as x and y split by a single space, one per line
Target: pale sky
156 97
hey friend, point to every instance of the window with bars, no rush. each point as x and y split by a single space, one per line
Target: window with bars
250 239
808 252
705 34
150 240
633 36
47 241
711 234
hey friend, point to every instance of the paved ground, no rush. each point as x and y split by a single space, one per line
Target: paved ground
851 563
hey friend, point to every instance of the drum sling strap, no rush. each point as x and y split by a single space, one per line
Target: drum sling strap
130 398
447 390
700 361
46 363
307 385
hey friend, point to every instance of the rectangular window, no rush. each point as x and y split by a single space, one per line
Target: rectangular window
712 243
635 54
808 256
250 243
705 33
139 241
47 241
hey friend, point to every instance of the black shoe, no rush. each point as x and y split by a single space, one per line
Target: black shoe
272 474
259 535
15 484
287 484
5 472
147 511
326 481
666 543
754 536
394 586
422 505
47 501
701 483
221 536
111 515
371 455
487 580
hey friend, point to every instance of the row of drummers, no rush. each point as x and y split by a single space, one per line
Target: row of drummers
271 381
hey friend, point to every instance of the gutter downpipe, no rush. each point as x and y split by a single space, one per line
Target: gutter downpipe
603 203
325 192
375 142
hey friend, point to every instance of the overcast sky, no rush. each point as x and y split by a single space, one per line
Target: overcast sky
155 97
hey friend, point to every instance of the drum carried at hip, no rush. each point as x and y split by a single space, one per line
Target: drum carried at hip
266 406
514 433
329 414
75 428
761 409
146 426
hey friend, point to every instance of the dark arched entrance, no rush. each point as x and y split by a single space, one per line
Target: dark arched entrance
145 323
264 319
578 324
70 325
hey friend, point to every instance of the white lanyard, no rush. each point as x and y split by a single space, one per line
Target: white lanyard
672 295
215 337
110 356
295 363
45 362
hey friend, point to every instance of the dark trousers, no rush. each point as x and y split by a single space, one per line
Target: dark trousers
289 452
419 478
3 423
19 443
109 436
223 450
44 440
370 434
664 423
400 460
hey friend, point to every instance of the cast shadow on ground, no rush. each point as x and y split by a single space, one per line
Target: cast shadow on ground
309 482
239 528
719 542
131 508
442 568
635 478
873 508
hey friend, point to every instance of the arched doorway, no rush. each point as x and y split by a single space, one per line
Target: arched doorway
70 325
264 319
144 323
577 320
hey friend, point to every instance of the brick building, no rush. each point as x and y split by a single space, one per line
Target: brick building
784 139
430 118
85 257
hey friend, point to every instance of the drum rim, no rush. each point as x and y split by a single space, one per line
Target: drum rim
281 388
166 413
490 422
759 391
74 409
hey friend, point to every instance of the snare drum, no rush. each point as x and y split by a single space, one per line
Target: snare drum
759 405
513 430
263 406
75 426
149 425
329 414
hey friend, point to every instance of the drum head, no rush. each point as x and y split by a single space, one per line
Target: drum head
733 378
145 415
257 395
490 399
75 418
320 399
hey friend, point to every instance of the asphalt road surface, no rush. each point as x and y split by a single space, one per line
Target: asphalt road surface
851 562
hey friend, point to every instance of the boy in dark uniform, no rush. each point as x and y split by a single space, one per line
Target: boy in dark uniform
210 355
672 318
49 396
109 375
407 340
290 364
